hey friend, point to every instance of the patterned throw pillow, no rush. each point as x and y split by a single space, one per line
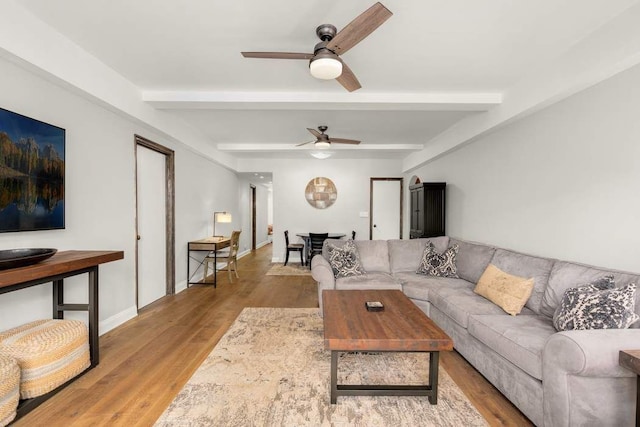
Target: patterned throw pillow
598 305
600 284
345 260
436 264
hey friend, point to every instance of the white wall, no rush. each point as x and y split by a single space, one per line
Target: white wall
291 210
100 198
564 182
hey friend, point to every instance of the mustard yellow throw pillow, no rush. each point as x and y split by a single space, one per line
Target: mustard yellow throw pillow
505 290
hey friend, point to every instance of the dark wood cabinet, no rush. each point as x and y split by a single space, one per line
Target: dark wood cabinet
427 209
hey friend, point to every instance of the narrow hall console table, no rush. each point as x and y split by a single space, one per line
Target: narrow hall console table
208 244
55 269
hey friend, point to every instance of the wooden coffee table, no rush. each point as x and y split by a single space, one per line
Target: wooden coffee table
402 326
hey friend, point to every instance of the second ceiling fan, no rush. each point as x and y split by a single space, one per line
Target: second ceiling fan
325 62
324 141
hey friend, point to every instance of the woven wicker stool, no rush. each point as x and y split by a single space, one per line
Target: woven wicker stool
9 389
49 353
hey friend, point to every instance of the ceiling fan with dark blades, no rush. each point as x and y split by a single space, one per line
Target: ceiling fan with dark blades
324 141
325 62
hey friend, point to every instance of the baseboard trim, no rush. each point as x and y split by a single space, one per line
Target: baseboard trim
181 286
117 319
265 243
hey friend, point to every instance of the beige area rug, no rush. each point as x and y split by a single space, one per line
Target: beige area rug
290 269
271 369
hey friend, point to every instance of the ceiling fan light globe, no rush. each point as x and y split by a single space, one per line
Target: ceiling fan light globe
323 145
325 68
321 154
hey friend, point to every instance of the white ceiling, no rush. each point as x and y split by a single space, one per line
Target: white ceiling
261 178
432 64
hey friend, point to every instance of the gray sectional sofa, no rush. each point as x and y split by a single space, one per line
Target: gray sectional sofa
569 378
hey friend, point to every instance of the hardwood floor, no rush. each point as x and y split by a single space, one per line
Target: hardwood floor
146 361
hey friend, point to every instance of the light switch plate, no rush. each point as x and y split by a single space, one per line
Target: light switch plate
364 214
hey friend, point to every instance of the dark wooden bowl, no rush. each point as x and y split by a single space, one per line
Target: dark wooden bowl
12 258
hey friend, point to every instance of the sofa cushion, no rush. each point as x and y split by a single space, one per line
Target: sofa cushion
405 255
519 339
458 304
528 266
374 254
587 307
473 259
418 286
505 290
371 280
436 263
565 275
345 260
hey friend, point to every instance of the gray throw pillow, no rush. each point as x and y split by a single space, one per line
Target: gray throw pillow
439 264
345 260
597 305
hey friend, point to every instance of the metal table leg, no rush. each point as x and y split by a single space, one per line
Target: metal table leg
434 357
58 299
215 269
94 345
429 390
59 307
334 377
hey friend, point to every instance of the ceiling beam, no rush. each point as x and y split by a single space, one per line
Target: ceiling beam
194 100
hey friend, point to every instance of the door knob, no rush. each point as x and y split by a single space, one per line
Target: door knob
138 237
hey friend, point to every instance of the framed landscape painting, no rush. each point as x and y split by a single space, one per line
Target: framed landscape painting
31 174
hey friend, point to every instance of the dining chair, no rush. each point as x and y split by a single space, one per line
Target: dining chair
315 247
293 247
229 256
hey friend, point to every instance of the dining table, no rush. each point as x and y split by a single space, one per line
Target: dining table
307 243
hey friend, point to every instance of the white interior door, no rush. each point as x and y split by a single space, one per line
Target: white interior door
385 209
151 194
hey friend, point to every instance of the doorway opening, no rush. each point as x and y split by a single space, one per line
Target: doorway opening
154 170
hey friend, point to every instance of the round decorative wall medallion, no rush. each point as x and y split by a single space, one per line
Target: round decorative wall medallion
321 192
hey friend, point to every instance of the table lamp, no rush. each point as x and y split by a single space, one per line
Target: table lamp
222 217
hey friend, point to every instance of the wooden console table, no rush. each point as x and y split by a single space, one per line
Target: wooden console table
56 269
630 359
